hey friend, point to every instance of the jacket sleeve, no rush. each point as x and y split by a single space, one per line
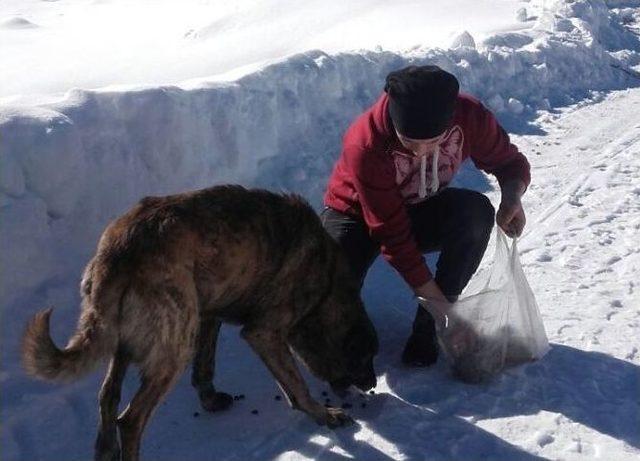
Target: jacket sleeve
385 214
492 150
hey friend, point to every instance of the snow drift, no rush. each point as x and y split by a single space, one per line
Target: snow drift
68 167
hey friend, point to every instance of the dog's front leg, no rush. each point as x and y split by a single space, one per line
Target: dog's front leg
273 350
204 366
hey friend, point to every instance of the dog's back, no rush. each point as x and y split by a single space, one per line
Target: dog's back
217 250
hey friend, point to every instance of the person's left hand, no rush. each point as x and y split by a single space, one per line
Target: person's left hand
510 216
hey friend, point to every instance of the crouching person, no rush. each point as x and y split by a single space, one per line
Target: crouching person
388 191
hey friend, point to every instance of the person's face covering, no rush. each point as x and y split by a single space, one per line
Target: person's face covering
420 147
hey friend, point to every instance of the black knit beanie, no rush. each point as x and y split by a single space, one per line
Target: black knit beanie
422 100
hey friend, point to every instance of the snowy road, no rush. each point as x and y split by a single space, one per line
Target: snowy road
582 258
581 255
579 402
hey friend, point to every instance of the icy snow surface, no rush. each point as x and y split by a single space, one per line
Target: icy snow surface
69 166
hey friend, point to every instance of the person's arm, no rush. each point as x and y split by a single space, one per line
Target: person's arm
385 214
510 216
432 299
492 151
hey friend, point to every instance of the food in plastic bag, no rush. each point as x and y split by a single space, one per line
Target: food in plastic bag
496 323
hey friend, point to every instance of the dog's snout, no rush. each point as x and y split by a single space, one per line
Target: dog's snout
367 383
367 380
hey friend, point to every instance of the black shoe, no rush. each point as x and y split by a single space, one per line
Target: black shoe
421 349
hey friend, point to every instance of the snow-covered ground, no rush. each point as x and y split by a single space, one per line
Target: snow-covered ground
69 166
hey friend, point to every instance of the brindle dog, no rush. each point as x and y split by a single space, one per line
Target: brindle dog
169 271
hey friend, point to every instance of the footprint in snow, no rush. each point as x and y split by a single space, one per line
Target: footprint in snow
544 257
543 439
17 23
574 447
613 260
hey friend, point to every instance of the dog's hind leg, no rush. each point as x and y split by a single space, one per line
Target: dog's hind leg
274 352
155 385
161 326
107 447
204 367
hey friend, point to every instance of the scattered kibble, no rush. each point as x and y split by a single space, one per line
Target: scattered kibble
254 412
278 397
363 405
196 414
327 401
346 405
372 392
324 393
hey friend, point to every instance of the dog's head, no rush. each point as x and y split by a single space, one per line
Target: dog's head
359 346
337 341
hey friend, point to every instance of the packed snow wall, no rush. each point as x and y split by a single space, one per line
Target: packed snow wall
68 168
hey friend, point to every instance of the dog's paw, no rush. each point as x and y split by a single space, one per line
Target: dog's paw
215 401
335 417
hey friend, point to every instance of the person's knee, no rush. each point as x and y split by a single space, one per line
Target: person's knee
486 212
481 217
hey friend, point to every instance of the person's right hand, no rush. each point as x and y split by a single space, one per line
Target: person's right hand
431 298
458 338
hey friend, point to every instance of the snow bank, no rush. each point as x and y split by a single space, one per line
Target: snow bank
69 167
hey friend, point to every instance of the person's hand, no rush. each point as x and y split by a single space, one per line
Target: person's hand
510 216
434 301
458 338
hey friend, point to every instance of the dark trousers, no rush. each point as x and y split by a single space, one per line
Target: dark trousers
456 222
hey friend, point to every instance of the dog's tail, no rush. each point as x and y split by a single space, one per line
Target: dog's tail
95 338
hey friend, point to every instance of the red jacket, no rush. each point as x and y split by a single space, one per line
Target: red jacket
376 178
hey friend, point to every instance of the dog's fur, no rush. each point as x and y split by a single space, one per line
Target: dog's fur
171 269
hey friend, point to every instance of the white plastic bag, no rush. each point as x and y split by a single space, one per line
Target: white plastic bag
498 318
